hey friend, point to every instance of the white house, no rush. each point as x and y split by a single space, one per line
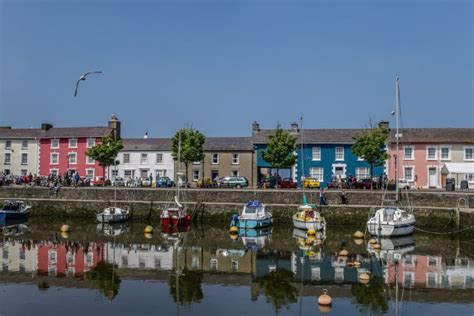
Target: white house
141 157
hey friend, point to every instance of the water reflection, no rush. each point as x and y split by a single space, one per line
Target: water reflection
279 264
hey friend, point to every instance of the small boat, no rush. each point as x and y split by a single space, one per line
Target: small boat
111 229
14 227
175 216
113 215
391 221
254 215
308 217
13 209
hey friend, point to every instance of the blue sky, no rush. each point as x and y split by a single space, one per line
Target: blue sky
220 65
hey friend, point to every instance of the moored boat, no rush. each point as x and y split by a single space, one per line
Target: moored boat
113 215
13 209
391 221
254 215
308 217
175 215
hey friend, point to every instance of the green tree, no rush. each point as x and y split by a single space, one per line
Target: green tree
103 277
279 289
105 152
190 290
370 145
191 146
280 150
371 296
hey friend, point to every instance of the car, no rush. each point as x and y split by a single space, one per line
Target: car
145 182
233 182
403 184
164 182
312 183
98 182
118 182
365 184
204 183
287 183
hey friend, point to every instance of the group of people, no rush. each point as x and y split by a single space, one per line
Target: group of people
323 199
51 180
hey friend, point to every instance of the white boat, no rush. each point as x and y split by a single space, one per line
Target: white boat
254 215
392 220
111 229
113 215
308 217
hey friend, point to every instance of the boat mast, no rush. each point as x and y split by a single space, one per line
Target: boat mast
397 135
179 165
302 160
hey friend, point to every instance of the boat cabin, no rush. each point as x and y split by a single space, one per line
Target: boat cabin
253 209
391 214
12 205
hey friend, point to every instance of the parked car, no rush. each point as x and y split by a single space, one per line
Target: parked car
164 182
335 185
363 184
118 182
145 182
403 184
312 183
98 182
233 182
204 183
287 183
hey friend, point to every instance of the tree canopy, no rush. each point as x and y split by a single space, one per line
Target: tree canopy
103 277
192 142
106 152
370 145
280 149
190 290
279 289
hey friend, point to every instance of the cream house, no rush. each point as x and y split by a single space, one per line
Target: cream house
19 151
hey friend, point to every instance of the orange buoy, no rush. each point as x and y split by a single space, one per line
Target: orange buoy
325 299
324 309
373 241
65 228
376 246
148 229
358 234
358 241
343 253
364 278
356 264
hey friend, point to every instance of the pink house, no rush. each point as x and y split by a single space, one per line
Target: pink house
430 155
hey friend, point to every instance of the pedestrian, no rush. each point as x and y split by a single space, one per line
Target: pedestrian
343 197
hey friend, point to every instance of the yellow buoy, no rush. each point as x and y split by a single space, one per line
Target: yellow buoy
376 246
343 253
325 299
148 235
65 235
364 278
324 309
356 264
233 229
373 241
148 229
233 236
65 228
358 234
358 241
311 232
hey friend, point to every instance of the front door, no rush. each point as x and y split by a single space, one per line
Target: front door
144 173
432 178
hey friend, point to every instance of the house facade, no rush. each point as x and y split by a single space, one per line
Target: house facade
428 156
63 149
141 157
224 156
326 153
19 151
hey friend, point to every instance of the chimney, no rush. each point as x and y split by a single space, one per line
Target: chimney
384 124
255 127
294 127
115 125
146 135
46 126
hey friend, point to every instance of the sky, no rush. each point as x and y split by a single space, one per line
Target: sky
219 65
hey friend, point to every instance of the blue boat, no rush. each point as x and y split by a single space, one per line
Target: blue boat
253 215
255 239
14 210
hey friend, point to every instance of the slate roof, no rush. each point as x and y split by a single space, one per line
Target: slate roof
434 135
228 144
146 144
55 132
313 136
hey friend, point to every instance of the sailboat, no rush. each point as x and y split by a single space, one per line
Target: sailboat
176 215
307 217
391 219
113 214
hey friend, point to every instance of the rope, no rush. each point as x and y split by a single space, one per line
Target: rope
444 233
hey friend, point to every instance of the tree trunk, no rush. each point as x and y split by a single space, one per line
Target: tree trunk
371 176
103 170
276 180
186 173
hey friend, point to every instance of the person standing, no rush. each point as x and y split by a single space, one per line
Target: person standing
343 197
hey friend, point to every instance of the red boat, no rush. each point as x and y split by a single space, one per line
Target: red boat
175 216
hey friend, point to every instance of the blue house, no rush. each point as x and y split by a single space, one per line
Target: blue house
326 152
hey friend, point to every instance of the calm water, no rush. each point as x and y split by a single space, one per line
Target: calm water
203 270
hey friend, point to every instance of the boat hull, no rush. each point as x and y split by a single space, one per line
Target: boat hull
311 224
387 230
112 218
8 215
255 223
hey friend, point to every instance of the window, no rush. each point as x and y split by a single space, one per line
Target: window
8 159
114 173
90 160
431 153
317 173
124 260
316 153
195 175
339 153
159 158
408 172
24 172
235 159
157 263
431 280
8 144
195 262
215 159
141 261
432 261
363 173
89 259
469 177
90 173
6 171
72 158
73 143
160 173
408 153
24 144
55 143
24 159
409 278
143 158
54 159
235 173
339 274
126 158
52 257
54 172
90 142
445 153
213 264
468 153
129 173
315 273
359 158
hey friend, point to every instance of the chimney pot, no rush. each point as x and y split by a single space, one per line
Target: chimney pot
46 126
255 127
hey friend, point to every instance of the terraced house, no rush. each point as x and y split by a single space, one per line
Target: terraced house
19 150
327 153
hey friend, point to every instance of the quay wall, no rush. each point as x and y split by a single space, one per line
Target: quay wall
432 208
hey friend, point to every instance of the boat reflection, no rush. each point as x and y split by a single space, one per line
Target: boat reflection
14 227
113 229
255 239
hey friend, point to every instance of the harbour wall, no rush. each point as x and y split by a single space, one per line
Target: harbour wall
432 208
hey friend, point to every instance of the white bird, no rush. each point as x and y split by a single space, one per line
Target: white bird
83 77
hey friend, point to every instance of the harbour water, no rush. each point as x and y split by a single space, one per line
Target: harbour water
201 270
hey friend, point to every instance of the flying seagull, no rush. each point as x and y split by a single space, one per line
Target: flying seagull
83 77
